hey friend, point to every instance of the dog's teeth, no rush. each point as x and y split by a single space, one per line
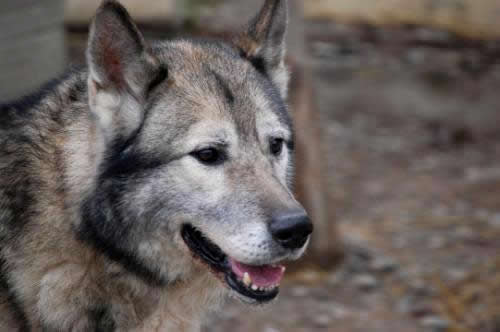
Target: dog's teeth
254 287
283 269
247 280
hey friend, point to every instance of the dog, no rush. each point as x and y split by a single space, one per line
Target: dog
138 193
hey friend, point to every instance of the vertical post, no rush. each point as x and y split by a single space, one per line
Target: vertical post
311 186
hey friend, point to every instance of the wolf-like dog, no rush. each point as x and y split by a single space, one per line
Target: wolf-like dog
139 192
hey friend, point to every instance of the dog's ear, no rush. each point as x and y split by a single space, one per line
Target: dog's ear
263 42
120 64
117 54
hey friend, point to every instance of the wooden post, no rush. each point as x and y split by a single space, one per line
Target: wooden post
311 185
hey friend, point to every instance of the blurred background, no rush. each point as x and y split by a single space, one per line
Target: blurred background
396 104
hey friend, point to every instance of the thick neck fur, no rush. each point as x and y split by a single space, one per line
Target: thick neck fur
50 158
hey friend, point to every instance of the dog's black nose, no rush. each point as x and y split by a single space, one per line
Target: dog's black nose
291 229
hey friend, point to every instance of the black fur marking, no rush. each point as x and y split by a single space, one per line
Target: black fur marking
104 228
77 90
19 195
129 163
259 64
228 94
279 108
13 299
161 76
104 223
124 161
103 320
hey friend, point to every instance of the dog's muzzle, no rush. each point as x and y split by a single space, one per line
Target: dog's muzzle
258 283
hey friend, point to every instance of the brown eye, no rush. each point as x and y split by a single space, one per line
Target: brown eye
276 146
209 156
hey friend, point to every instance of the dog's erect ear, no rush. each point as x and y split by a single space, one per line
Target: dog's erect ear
121 68
263 42
117 54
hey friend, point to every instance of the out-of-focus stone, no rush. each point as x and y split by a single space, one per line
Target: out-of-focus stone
271 329
300 291
384 265
338 311
366 282
322 320
435 324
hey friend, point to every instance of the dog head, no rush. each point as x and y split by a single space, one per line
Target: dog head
198 163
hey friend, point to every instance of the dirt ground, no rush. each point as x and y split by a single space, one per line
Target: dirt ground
412 138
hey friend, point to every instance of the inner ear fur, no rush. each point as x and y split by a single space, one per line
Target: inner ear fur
117 55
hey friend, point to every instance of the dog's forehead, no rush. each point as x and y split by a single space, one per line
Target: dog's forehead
211 82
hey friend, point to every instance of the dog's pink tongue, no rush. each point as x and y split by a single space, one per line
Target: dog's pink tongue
262 276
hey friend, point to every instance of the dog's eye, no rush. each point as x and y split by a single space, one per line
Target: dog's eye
276 146
209 156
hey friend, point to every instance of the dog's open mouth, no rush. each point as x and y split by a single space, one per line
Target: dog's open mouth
259 283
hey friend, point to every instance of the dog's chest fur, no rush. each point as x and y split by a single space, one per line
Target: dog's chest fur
78 295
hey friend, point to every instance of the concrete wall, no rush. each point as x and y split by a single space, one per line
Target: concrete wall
32 38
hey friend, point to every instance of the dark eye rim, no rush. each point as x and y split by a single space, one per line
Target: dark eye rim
209 156
276 145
